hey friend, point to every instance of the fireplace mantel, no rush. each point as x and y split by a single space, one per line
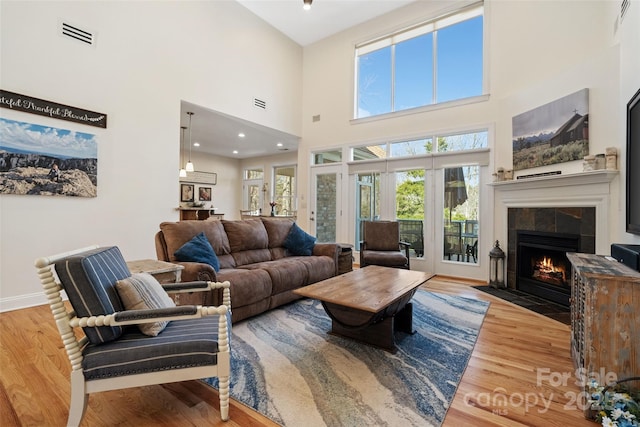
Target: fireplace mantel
568 180
584 189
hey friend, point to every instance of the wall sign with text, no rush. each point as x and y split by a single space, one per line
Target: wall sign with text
29 104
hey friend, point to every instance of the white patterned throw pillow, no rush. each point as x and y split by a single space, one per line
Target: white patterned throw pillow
142 291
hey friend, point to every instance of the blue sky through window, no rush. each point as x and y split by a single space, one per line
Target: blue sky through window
458 62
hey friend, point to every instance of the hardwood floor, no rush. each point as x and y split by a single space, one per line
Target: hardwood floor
500 387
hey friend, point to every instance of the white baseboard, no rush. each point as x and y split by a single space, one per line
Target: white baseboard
22 301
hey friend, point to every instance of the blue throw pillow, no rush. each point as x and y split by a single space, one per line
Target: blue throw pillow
298 242
198 249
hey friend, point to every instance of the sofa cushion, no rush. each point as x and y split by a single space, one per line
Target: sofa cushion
277 230
251 257
89 280
197 339
177 234
286 274
318 267
248 240
142 291
246 235
198 249
382 235
298 242
247 286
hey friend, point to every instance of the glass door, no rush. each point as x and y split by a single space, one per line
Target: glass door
252 196
326 205
367 201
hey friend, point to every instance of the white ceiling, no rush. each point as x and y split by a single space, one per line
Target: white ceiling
217 133
325 18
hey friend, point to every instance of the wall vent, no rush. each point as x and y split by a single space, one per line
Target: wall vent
624 6
315 118
260 103
76 33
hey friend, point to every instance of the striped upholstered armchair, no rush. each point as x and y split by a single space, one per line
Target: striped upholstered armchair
134 335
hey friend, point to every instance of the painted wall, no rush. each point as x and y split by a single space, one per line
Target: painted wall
225 196
148 57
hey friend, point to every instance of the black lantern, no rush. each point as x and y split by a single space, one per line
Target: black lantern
496 267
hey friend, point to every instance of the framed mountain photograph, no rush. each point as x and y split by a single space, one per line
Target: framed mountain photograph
556 132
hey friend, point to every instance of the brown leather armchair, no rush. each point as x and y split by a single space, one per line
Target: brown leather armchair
381 245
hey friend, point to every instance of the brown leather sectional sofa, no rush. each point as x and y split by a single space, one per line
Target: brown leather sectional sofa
252 258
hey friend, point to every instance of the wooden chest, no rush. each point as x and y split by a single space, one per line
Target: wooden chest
605 318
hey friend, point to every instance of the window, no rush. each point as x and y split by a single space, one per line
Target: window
370 152
454 142
463 141
411 148
252 186
435 62
285 189
326 157
253 174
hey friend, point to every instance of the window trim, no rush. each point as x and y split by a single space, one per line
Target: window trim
428 26
422 109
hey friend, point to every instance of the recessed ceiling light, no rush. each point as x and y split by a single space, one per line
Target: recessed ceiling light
235 151
241 135
196 144
279 144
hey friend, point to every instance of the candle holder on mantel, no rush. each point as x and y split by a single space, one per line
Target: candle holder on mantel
496 267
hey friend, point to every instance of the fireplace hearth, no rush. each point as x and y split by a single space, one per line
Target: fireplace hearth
542 267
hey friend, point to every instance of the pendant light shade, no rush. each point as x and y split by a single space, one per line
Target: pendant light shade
306 4
189 166
183 171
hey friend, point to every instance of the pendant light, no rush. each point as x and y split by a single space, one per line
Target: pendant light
306 4
189 166
183 171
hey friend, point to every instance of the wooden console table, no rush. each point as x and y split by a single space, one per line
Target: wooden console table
605 317
199 214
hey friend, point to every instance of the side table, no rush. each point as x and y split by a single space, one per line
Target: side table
164 272
345 258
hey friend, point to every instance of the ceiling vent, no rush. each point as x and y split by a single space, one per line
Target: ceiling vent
76 33
259 103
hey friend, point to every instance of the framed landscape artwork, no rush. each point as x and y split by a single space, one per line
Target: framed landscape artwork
44 160
556 132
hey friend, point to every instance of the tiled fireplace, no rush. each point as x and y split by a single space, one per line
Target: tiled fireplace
538 239
573 206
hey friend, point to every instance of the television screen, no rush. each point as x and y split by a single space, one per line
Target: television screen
633 164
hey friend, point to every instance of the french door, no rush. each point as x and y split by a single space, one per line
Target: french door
326 203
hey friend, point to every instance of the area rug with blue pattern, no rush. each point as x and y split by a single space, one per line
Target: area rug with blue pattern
286 366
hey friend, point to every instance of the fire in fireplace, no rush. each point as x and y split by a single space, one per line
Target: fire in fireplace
542 267
547 270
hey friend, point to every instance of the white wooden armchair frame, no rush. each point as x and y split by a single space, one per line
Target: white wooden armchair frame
66 321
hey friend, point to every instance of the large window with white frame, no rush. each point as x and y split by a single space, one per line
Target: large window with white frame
430 63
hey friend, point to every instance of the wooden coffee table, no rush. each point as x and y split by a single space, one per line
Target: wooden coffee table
369 304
